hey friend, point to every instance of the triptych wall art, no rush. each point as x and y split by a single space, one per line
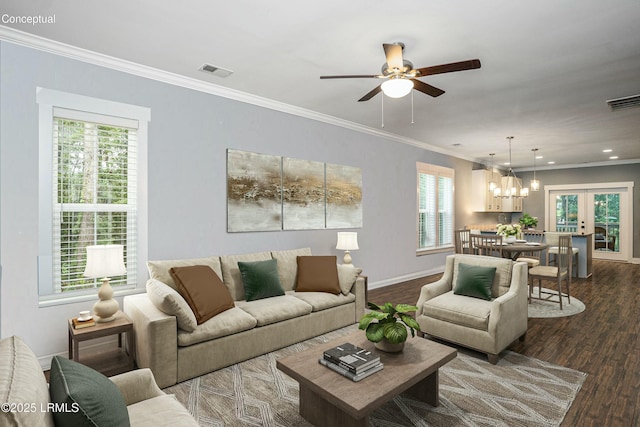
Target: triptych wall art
268 193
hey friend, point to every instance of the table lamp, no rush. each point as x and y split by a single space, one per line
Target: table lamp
104 261
347 241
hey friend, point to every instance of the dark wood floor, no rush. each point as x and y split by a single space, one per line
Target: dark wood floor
603 342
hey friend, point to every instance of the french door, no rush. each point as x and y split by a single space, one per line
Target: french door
601 209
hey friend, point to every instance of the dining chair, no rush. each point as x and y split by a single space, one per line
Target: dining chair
486 244
463 241
532 258
559 273
551 238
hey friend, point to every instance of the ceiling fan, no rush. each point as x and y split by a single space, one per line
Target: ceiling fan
401 77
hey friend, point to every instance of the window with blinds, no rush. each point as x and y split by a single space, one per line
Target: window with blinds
94 194
435 207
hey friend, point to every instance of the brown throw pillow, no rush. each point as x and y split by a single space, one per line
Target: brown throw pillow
203 290
317 274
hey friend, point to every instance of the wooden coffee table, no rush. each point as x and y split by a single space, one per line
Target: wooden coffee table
329 399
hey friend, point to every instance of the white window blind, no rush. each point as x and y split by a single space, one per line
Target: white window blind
94 194
435 207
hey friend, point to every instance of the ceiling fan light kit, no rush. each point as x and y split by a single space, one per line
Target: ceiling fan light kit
397 87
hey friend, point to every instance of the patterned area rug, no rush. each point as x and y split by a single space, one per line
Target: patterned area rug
518 391
551 308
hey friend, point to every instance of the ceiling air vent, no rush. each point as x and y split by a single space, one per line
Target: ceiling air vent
622 103
216 71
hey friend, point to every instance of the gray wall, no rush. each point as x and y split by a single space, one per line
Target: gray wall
189 133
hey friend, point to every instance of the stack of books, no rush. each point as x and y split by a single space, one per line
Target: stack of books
79 324
351 361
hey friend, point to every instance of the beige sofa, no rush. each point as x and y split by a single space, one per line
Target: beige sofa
168 343
24 394
488 326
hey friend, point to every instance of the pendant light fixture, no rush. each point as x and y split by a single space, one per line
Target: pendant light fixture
535 183
512 187
492 184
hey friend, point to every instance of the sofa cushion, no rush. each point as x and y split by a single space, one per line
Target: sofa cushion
288 265
502 278
231 273
317 274
160 411
159 270
323 300
98 400
22 381
275 309
203 290
460 310
226 323
170 302
347 275
260 279
474 281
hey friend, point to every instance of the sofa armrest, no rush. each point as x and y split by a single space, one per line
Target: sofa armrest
156 336
359 290
512 304
137 386
439 287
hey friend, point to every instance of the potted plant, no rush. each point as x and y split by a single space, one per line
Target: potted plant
386 326
528 221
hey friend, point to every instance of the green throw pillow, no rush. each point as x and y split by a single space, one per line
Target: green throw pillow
87 397
474 281
260 279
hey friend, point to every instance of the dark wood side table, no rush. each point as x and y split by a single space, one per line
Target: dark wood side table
111 362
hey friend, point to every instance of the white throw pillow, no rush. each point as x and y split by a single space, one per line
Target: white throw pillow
347 275
170 302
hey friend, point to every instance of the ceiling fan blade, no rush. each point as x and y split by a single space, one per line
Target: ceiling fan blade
426 88
371 94
394 56
353 76
449 68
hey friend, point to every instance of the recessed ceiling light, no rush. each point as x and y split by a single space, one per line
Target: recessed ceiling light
613 157
607 150
539 157
506 163
551 163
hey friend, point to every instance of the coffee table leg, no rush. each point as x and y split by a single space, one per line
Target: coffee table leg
426 390
320 412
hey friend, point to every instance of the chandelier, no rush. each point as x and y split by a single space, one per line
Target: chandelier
511 185
535 183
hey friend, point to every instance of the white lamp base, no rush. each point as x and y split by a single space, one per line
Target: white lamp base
347 257
107 306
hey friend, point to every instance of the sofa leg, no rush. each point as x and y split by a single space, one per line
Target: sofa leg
492 358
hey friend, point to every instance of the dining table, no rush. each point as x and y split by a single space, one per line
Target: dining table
514 250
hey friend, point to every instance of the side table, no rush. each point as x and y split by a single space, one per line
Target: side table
111 362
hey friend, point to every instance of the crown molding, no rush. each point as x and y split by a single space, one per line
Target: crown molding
606 163
73 52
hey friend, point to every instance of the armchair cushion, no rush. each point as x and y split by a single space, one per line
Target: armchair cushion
474 281
460 310
92 399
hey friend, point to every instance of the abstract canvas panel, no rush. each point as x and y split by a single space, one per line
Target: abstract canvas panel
303 195
344 196
254 191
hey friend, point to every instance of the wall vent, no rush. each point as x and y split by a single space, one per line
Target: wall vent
622 103
216 71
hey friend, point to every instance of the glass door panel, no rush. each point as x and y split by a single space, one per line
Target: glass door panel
606 222
567 212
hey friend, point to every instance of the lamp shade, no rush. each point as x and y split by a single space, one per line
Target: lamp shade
347 241
397 87
105 261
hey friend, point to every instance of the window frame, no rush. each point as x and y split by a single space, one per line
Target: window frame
438 172
49 101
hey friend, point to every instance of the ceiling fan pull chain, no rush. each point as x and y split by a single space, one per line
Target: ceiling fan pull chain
382 97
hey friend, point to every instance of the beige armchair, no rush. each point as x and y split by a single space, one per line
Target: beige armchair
489 326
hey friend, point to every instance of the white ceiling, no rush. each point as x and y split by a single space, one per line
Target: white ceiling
547 66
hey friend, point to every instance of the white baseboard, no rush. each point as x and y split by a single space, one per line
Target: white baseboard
406 277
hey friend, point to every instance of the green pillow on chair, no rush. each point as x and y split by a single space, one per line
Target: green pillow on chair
85 396
260 279
474 281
